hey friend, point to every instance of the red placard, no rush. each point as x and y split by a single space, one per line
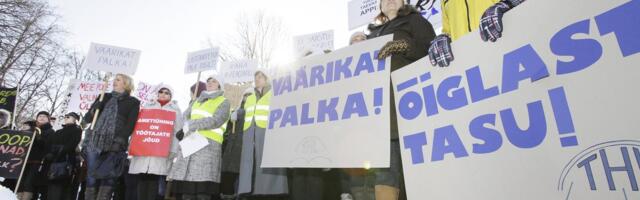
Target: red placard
153 132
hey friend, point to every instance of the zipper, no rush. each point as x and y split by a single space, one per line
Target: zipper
468 19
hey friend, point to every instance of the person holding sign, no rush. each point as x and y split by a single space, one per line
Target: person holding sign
197 175
61 148
118 112
254 181
33 182
460 17
411 37
150 169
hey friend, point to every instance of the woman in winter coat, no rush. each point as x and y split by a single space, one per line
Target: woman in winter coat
150 169
113 126
412 35
61 148
197 176
34 181
254 181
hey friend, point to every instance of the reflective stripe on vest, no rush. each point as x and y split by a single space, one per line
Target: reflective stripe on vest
207 109
258 110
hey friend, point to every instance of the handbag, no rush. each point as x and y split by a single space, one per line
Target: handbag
60 170
109 165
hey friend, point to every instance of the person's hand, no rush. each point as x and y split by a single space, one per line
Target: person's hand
394 47
440 53
491 21
118 145
179 135
234 115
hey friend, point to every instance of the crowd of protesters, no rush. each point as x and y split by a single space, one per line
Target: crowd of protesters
61 166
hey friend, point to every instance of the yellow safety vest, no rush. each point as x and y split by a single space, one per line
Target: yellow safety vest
257 109
207 109
460 17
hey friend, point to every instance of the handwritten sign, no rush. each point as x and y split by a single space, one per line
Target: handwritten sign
13 150
239 71
315 43
152 134
202 60
114 59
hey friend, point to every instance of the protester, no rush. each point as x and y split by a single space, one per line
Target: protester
357 37
256 182
118 112
198 175
149 169
460 17
34 181
232 150
411 36
61 147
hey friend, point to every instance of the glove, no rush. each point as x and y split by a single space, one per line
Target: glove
440 51
118 145
180 135
491 21
394 47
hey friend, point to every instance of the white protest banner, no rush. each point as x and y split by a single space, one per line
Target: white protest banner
549 111
331 111
238 71
362 12
84 93
114 59
146 92
202 60
315 43
432 12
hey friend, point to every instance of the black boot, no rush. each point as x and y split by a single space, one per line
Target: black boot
90 193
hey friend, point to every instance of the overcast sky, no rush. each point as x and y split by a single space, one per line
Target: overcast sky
165 30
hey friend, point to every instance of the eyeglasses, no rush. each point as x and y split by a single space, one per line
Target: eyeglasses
164 92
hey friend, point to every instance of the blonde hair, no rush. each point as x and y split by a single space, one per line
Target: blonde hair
128 83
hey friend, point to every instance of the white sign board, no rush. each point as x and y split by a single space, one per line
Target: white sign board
202 60
432 12
146 92
362 12
238 71
114 59
550 111
331 111
84 93
315 43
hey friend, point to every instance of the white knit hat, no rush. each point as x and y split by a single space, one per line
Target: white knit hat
218 78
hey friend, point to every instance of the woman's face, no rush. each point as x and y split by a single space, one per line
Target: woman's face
260 81
391 6
212 84
164 95
118 84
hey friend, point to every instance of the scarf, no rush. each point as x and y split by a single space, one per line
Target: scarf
105 128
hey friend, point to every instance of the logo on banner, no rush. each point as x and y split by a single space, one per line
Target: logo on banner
612 166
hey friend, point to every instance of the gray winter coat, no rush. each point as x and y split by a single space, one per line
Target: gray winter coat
205 164
253 179
158 165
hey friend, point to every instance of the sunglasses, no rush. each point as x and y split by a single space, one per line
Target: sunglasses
164 92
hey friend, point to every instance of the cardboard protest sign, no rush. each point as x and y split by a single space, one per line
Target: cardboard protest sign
202 60
84 93
549 111
7 105
152 134
315 43
13 150
238 71
110 58
146 92
362 12
331 110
